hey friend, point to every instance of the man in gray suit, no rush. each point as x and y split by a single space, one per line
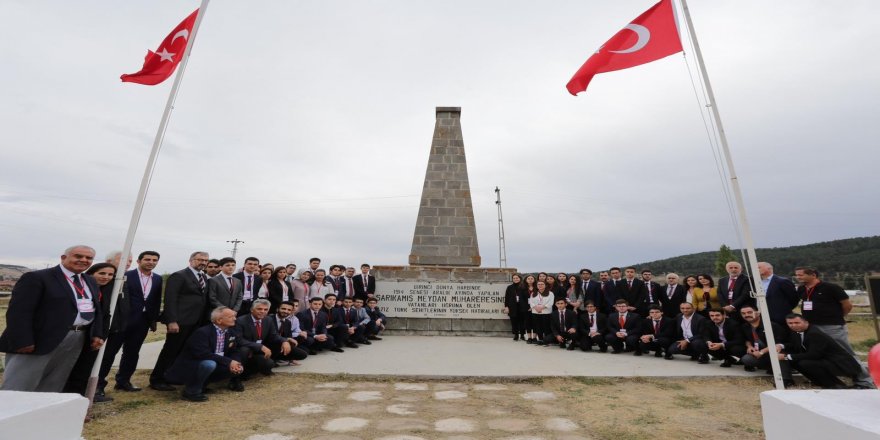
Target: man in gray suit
186 296
224 290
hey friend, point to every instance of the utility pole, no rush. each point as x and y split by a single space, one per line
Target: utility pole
234 249
502 245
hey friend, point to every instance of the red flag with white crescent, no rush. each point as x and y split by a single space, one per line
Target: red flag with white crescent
159 65
651 36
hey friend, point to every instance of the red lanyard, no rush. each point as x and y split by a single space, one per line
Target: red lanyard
810 291
148 283
80 291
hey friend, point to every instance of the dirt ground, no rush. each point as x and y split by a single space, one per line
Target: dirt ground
319 407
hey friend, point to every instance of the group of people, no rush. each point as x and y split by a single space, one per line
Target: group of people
698 319
220 323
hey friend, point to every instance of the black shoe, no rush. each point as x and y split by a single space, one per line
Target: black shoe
668 356
101 398
516 337
207 390
615 351
235 385
695 358
351 345
726 364
570 347
312 352
530 341
126 386
562 345
750 368
658 353
704 359
637 353
161 386
365 342
374 338
603 350
337 350
788 383
194 397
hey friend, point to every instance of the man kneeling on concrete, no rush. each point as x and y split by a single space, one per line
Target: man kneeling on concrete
211 354
818 357
258 328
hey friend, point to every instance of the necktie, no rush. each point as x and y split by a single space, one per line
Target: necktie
314 321
730 290
803 340
348 316
249 277
80 295
656 326
755 339
201 278
721 333
349 288
259 324
669 292
585 286
630 284
229 282
592 320
650 293
562 320
622 320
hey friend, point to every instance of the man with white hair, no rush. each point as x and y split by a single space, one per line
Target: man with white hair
782 296
52 314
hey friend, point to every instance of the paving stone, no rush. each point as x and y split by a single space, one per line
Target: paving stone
402 424
447 395
497 411
511 425
344 424
411 386
489 387
560 424
455 425
450 386
272 436
401 409
401 437
369 386
538 395
364 396
290 424
308 408
332 385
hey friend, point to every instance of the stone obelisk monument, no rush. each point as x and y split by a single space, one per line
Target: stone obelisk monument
444 290
445 233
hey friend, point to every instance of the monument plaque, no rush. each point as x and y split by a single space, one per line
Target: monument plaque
442 299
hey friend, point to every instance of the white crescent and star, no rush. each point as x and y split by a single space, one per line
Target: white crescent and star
644 36
181 33
164 55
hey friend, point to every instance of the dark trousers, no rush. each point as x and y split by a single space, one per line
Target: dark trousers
821 372
314 344
254 361
245 308
174 343
632 342
541 324
550 338
587 342
697 347
763 363
208 371
130 341
658 345
82 369
517 324
296 354
529 321
340 334
731 350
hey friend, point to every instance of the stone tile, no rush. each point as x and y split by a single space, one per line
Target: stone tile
369 386
455 425
402 424
560 424
308 408
450 386
538 395
511 425
344 424
403 386
489 387
365 396
448 395
401 409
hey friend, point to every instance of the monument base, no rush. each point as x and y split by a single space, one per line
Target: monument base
821 414
426 315
40 416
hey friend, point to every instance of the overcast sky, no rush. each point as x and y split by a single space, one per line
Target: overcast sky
303 128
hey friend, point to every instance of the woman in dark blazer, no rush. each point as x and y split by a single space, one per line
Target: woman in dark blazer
515 304
279 289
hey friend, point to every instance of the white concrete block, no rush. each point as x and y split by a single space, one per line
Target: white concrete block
821 414
24 416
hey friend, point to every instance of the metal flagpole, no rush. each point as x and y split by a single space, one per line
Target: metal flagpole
761 296
142 193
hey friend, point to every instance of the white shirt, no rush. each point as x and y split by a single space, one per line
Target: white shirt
686 327
79 320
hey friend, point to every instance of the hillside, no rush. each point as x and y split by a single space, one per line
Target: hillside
845 261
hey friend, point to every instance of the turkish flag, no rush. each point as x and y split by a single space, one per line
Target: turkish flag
651 36
159 65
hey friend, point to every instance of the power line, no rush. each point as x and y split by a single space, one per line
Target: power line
502 245
234 249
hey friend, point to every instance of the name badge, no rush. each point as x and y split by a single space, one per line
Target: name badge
808 305
623 330
85 305
259 341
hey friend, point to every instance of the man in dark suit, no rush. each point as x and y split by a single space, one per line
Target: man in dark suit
658 332
734 290
224 290
672 296
690 330
592 290
378 321
336 322
756 343
818 357
350 321
250 282
563 326
364 283
724 338
782 296
53 313
264 343
145 299
186 296
634 292
623 327
612 290
314 322
211 354
593 326
346 285
652 292
287 325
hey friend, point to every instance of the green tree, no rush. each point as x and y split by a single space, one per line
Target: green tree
724 256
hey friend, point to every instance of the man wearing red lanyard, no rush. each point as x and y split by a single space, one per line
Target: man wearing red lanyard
734 290
825 306
250 282
52 314
145 298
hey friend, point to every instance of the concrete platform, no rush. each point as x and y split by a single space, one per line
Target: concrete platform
821 414
442 357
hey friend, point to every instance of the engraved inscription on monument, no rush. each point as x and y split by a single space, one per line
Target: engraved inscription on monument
441 299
